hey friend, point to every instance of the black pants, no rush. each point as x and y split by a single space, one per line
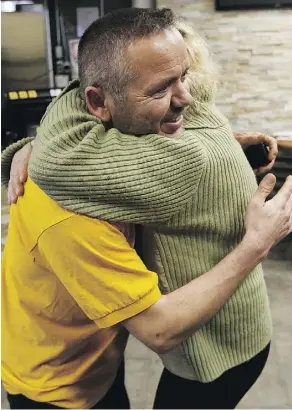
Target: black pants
176 393
223 393
116 397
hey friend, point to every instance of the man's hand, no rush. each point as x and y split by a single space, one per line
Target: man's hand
268 222
18 173
246 139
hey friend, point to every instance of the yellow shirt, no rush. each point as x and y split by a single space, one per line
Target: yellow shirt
67 283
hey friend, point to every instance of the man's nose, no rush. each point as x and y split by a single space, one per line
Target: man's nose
181 96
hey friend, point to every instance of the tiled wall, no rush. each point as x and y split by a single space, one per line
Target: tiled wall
253 50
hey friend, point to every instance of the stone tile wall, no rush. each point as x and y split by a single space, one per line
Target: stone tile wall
253 50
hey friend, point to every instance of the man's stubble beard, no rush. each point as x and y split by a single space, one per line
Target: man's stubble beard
127 122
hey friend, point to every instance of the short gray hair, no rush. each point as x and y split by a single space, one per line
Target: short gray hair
102 48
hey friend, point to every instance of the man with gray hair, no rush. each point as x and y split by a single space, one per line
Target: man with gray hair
183 176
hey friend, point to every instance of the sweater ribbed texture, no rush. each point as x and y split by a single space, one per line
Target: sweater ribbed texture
110 175
192 192
193 241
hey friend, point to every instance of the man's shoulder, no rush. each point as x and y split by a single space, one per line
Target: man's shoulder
86 231
84 239
39 208
37 215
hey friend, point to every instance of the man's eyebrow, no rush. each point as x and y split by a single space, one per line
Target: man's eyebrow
164 83
161 84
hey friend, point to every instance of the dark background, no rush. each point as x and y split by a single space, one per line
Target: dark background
251 4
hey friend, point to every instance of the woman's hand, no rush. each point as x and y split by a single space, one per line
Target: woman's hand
18 173
246 139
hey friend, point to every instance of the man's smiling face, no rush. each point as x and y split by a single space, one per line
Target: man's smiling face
155 100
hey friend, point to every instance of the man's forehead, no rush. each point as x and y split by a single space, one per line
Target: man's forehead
159 52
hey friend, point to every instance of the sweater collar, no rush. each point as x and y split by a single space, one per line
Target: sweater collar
203 115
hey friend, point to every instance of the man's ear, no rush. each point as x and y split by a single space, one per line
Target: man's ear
97 103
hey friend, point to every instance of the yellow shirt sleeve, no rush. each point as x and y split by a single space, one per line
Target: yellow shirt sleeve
100 270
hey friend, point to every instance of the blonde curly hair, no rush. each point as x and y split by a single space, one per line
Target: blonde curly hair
202 75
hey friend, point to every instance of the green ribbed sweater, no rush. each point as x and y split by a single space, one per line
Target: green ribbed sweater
191 194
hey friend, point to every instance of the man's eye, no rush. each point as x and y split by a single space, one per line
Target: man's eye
183 78
161 93
163 90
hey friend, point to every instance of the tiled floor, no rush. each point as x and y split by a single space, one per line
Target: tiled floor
273 389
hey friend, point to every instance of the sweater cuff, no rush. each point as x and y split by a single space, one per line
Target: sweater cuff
7 157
